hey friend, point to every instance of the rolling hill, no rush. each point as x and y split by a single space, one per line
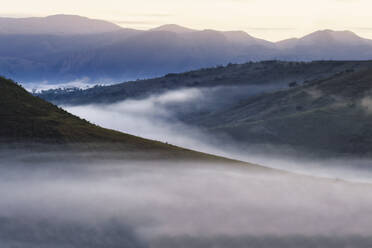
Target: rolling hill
32 123
314 109
329 117
263 76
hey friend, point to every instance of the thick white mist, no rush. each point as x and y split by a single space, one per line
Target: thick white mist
156 117
159 200
153 118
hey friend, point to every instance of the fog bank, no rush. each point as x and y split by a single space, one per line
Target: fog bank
159 204
160 117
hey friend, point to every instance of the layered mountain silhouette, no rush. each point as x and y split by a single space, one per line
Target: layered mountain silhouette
63 48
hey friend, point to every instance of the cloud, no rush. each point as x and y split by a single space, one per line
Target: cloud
166 117
31 232
162 116
83 83
366 103
153 118
315 93
159 204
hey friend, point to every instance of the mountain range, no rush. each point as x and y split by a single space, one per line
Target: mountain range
63 48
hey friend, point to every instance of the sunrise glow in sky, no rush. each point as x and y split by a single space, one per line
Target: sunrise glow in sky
269 19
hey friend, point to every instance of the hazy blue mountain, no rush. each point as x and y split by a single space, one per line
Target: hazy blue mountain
157 53
174 28
57 24
327 44
35 46
63 48
242 38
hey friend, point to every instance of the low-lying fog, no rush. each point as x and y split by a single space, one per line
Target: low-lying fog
159 117
49 203
135 204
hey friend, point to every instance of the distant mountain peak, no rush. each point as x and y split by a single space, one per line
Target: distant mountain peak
174 28
60 24
332 35
325 37
242 37
66 16
238 34
333 32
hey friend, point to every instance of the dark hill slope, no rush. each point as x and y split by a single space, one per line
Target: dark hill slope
30 121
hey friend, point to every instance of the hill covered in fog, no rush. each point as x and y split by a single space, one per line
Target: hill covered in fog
30 122
318 108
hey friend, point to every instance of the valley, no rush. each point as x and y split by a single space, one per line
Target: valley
134 133
279 108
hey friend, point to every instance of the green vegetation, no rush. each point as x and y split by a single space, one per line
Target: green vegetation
28 120
329 117
316 108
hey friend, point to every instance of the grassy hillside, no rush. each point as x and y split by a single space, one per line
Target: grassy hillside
327 110
273 74
28 120
330 117
317 108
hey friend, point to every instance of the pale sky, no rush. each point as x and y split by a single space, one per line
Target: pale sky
269 19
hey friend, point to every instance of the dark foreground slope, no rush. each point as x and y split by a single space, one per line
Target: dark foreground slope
28 121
